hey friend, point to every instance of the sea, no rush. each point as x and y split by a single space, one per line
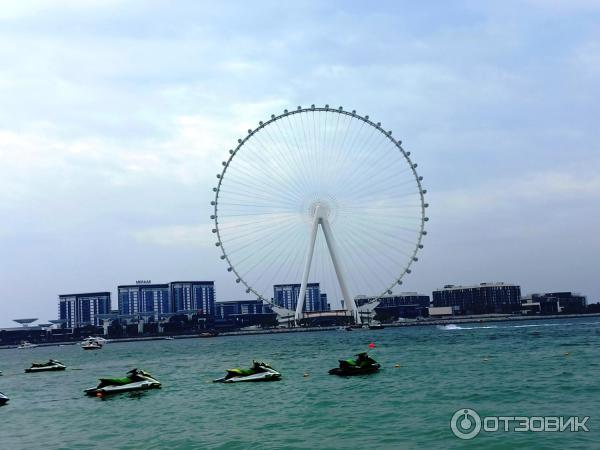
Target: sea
532 370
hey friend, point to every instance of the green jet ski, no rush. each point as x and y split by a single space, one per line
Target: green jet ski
259 371
362 365
136 380
50 366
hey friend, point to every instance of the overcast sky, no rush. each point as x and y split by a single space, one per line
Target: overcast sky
115 115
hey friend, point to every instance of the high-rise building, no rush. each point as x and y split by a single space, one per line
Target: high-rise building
79 310
174 297
193 295
485 298
144 298
286 296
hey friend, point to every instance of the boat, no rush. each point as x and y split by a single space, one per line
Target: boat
259 371
89 339
362 365
3 399
376 326
209 334
136 380
92 345
169 338
26 344
50 366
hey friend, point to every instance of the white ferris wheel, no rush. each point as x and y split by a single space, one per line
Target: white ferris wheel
319 169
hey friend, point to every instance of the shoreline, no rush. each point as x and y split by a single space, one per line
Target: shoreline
408 323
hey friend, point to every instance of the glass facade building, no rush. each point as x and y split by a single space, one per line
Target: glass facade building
393 307
229 309
286 296
169 298
485 298
144 298
554 303
79 310
193 295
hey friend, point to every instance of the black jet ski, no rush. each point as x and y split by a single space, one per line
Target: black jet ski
3 399
136 380
259 371
50 366
363 364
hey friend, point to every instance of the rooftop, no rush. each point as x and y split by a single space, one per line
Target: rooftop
450 287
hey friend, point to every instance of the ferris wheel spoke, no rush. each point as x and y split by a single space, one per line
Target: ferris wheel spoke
376 175
283 161
246 251
269 255
294 154
273 168
357 233
381 265
265 269
232 226
359 162
382 227
395 194
260 190
348 155
266 177
299 161
346 245
255 233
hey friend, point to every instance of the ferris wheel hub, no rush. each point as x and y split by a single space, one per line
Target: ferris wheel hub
320 210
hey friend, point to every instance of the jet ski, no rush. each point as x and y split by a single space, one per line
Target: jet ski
3 399
363 364
51 365
259 371
136 380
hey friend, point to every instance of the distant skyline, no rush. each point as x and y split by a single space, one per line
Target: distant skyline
115 119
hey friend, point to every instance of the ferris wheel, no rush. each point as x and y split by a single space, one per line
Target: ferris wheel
319 169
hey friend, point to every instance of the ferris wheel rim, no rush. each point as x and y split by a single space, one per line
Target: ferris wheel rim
377 125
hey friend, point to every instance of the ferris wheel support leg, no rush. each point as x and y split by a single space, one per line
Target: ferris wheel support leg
349 300
306 272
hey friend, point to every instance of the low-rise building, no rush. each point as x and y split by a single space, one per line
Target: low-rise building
409 305
244 313
554 303
485 298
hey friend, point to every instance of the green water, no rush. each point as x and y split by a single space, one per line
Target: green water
526 373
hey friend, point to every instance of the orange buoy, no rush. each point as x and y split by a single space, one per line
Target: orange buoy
372 345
